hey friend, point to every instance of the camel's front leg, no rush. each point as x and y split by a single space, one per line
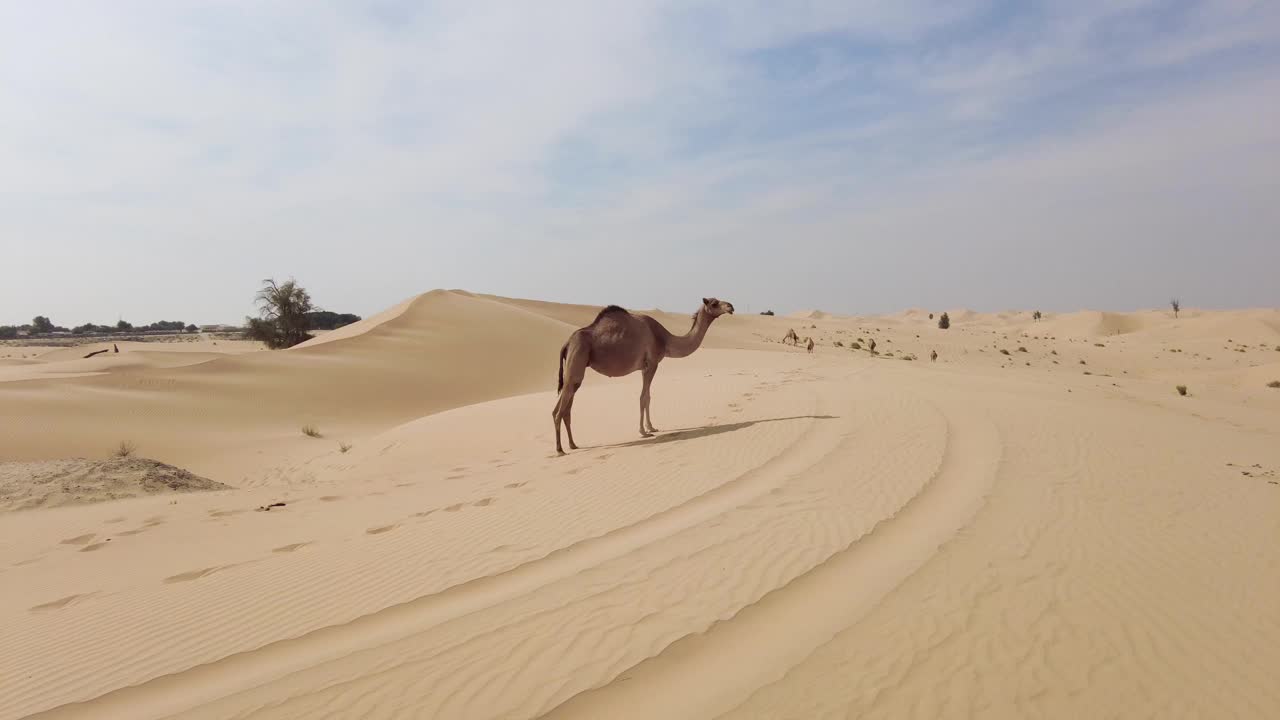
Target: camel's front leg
646 424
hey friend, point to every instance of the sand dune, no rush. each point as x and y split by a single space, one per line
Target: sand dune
1045 531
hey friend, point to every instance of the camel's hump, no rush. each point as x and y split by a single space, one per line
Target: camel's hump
607 310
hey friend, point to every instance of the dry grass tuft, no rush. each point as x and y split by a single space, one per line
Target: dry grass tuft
124 449
311 431
1182 390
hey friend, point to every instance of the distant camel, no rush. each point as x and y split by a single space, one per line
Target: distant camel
619 343
933 356
809 343
792 336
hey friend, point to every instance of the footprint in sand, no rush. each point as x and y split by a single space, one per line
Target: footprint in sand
134 531
454 477
330 498
485 502
224 513
194 574
454 508
424 513
290 548
573 471
380 530
460 468
95 546
115 520
59 603
515 485
80 539
605 456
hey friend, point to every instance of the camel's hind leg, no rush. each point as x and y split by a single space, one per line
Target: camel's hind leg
575 369
646 425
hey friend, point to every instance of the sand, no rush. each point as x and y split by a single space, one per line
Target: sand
1051 532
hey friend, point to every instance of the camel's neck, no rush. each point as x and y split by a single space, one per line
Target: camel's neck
679 346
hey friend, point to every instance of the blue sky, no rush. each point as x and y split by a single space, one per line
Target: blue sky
159 159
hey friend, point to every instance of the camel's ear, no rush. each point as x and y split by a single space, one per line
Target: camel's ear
706 301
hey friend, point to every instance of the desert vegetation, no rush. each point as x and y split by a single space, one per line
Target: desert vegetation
283 310
1182 390
944 321
311 431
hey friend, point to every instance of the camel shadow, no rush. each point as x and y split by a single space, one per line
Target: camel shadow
666 436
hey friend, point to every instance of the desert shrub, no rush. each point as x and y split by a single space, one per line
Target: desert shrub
1036 316
1003 351
1274 384
41 324
124 449
344 446
1182 390
192 328
1083 362
1176 304
283 310
1053 352
326 320
944 322
767 312
855 346
871 346
9 332
1021 349
311 431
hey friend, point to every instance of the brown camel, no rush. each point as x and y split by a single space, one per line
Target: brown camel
933 356
792 336
809 343
619 343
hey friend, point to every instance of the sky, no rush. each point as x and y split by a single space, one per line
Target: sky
159 159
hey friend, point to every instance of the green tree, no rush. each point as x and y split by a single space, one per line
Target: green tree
124 325
944 322
41 324
282 320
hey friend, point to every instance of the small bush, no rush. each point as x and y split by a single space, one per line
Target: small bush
1099 345
1053 352
1083 362
344 446
1003 351
311 431
1182 390
124 449
839 344
944 322
1274 384
1021 349
855 346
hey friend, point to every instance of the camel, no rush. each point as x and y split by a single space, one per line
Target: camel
808 342
618 343
792 336
933 356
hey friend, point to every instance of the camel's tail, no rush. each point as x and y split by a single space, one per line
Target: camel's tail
564 351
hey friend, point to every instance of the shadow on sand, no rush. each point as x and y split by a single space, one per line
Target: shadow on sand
708 430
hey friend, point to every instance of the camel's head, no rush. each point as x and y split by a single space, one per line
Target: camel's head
715 308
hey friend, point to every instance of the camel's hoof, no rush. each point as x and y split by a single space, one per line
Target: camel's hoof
559 451
645 434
